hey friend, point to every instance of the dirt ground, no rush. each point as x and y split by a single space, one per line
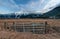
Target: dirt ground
21 35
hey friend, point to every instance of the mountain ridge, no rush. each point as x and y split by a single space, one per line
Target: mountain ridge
51 14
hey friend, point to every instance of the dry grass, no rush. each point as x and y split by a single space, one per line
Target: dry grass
16 35
27 35
51 22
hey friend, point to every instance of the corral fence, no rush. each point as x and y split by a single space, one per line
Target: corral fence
36 28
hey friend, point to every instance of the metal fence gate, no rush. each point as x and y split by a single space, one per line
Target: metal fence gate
37 28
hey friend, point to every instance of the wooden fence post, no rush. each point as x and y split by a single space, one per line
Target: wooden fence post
45 26
4 26
14 25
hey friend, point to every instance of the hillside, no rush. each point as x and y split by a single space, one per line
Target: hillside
55 12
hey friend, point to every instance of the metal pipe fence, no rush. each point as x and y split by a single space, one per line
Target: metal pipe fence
38 28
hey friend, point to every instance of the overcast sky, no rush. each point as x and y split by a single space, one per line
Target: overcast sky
40 6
